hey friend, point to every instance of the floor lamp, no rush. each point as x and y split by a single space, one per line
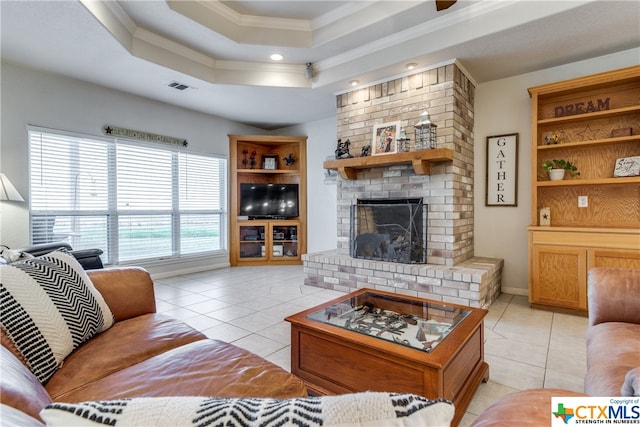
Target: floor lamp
8 191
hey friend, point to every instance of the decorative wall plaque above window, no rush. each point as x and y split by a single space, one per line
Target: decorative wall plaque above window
145 136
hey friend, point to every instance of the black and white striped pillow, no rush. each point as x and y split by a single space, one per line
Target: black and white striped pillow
357 409
48 307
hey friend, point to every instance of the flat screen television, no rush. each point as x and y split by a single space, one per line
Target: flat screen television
269 200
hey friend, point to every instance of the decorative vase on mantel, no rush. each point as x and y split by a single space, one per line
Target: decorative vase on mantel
556 174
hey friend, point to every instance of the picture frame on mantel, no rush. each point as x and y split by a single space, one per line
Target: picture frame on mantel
384 138
502 170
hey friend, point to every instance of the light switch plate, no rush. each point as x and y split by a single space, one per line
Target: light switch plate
583 201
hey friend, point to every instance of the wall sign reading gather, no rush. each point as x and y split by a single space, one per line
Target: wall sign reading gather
502 170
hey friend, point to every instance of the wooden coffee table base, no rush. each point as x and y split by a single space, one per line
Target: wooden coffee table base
333 360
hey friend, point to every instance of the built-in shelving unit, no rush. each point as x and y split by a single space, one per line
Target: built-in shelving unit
267 241
598 117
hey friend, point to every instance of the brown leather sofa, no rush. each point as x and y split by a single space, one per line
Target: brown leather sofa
143 354
613 350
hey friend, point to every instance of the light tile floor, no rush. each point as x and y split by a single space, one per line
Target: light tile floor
524 347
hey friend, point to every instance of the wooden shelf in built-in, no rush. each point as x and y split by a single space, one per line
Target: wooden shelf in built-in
420 160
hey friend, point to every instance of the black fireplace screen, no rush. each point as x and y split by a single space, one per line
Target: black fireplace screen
389 230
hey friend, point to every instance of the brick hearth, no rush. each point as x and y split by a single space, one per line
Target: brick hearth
474 282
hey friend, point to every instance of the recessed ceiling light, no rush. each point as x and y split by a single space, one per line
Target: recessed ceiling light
276 57
354 82
411 65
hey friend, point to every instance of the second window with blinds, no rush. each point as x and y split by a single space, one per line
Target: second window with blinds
135 201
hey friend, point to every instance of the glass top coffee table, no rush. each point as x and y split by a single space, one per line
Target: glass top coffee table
416 324
381 341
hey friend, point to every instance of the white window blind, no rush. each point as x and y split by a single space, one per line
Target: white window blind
134 201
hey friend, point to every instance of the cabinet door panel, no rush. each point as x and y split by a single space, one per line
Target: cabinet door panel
614 258
252 241
559 276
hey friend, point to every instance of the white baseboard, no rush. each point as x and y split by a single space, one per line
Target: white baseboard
179 272
515 291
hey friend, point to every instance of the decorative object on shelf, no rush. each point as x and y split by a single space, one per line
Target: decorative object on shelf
384 138
252 157
365 151
502 170
588 134
403 141
342 150
289 160
558 167
627 166
270 161
545 217
245 161
617 133
555 138
581 107
426 134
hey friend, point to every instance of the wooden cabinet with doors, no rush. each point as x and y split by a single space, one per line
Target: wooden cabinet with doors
561 258
267 160
591 122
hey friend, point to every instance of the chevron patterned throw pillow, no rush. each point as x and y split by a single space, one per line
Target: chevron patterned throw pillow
349 410
48 307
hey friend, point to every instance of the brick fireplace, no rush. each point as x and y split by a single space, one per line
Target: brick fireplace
451 273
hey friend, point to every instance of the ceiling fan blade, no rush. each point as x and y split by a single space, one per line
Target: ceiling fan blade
444 4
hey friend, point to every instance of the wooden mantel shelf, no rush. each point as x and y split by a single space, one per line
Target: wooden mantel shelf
420 159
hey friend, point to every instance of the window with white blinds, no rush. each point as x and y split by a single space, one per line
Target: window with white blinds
134 201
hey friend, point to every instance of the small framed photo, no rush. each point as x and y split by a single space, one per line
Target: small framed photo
270 161
384 138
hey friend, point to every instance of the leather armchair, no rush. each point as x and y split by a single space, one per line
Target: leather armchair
88 258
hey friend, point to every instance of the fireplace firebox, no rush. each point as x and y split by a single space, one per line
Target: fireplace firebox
392 230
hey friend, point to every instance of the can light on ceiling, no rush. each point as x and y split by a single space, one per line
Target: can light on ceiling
354 82
276 57
411 65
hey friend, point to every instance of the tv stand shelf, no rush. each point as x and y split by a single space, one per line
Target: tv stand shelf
267 240
268 172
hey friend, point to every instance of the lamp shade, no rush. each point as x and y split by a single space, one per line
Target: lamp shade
8 191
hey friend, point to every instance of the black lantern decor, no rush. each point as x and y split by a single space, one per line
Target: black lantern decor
425 133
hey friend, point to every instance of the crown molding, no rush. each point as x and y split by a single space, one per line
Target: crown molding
423 41
245 29
114 19
173 47
146 44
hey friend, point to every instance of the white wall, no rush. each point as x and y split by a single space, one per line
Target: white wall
503 106
322 229
31 97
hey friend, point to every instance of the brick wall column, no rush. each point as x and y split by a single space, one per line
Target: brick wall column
448 94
